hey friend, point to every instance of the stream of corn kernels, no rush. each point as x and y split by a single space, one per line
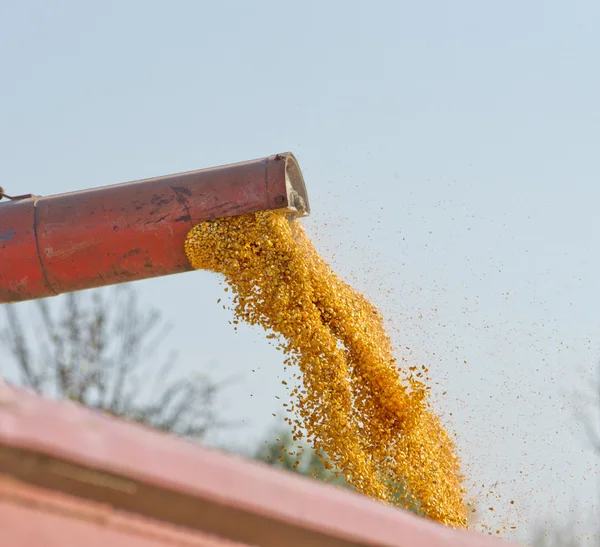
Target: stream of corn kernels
373 421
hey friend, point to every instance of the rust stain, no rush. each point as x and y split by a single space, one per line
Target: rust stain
182 190
133 252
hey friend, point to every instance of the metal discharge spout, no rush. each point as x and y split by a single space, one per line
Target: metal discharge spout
131 231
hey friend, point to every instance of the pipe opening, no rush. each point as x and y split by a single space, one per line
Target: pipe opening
296 190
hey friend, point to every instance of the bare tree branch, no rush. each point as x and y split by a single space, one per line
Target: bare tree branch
90 350
19 349
590 417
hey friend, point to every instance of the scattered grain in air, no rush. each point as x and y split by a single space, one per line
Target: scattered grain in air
373 422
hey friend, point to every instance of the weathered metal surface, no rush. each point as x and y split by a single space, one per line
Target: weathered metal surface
70 451
20 269
131 231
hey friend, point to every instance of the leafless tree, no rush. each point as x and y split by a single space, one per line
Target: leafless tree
590 417
587 413
99 348
558 538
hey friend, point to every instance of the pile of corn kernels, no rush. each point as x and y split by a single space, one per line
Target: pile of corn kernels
373 421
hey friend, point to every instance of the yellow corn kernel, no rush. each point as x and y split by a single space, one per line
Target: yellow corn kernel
372 420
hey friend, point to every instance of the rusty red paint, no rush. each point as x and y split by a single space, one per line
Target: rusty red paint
70 451
130 231
20 271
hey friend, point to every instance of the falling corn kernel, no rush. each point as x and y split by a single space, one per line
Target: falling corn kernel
371 421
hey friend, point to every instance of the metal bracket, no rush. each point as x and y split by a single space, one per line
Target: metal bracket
14 198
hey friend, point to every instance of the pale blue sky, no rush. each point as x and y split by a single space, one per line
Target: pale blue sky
450 151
